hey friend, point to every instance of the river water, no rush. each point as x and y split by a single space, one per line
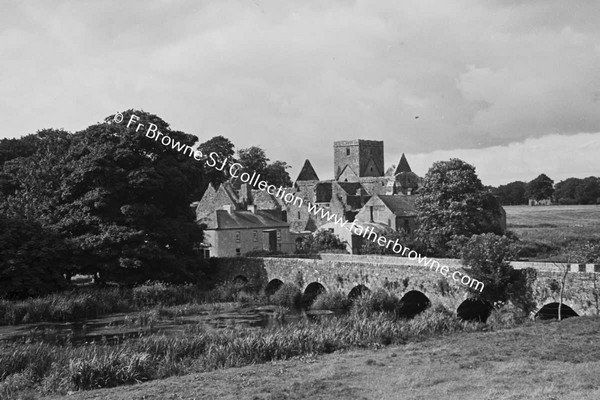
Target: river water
117 327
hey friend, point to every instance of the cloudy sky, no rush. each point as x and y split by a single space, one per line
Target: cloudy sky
510 86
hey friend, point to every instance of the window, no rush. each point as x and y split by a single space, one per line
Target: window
255 236
237 236
298 214
347 151
330 230
238 252
279 235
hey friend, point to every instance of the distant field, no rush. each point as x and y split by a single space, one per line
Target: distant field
554 225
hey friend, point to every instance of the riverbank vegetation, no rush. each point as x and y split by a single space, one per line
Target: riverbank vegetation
42 368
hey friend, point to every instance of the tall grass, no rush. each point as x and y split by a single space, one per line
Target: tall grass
53 369
94 302
379 301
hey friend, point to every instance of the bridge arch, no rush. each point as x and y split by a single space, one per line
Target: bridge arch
273 286
474 310
358 291
413 303
550 311
311 292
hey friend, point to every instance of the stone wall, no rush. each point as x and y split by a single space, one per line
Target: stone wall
338 272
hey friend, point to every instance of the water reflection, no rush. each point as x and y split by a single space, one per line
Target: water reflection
118 327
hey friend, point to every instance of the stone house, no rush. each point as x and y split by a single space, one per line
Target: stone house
398 212
231 232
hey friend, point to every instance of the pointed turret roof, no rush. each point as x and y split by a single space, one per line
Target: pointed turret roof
307 173
403 165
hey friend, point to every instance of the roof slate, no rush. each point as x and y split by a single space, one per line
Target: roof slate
221 219
400 205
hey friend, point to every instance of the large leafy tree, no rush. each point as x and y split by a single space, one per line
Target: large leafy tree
276 174
225 149
487 255
578 191
254 159
511 194
32 259
540 188
453 202
119 199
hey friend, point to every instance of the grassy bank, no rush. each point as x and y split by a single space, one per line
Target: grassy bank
41 368
549 360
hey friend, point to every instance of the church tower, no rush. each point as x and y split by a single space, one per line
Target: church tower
354 159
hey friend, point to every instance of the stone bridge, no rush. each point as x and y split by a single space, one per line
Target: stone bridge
354 274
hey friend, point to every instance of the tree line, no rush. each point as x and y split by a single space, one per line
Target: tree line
569 191
108 202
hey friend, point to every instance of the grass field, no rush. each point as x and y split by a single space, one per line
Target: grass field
549 227
550 361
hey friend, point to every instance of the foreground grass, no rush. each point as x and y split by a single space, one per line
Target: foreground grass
550 361
42 368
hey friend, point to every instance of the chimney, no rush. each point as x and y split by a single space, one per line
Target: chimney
245 193
252 208
228 208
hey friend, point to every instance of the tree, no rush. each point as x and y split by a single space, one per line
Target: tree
20 147
588 191
511 194
453 202
540 188
225 149
253 159
565 191
323 240
119 200
487 255
33 259
276 174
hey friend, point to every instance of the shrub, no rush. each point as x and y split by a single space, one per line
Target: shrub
377 302
506 317
154 293
288 295
225 292
331 301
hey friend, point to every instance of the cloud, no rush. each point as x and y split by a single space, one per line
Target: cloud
293 77
558 156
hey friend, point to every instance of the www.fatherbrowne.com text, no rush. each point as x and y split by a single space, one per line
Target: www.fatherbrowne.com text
236 170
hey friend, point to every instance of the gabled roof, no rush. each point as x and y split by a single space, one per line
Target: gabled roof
265 201
343 171
399 205
402 165
221 219
307 173
350 187
214 199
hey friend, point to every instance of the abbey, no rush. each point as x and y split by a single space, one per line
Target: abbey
241 219
359 181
